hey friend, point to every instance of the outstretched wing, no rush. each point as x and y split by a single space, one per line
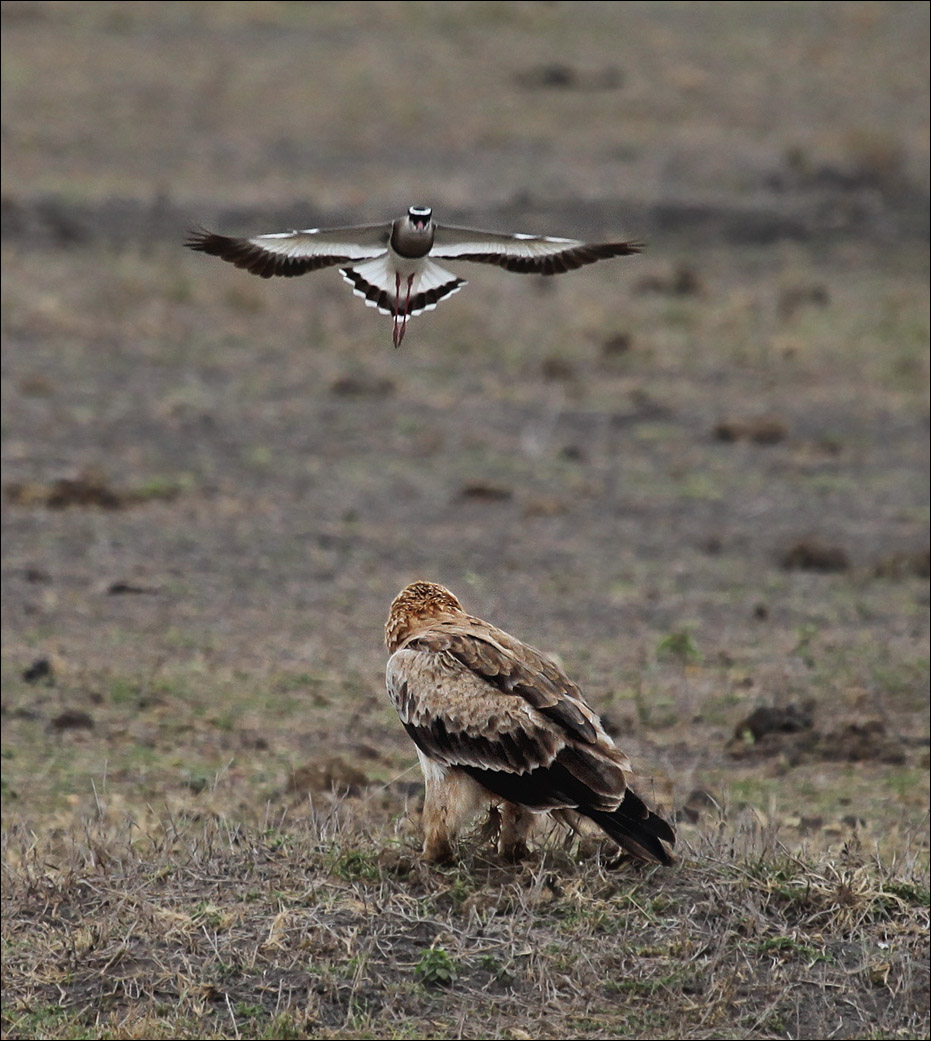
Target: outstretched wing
525 254
291 253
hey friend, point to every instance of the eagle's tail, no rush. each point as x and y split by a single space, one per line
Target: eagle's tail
635 828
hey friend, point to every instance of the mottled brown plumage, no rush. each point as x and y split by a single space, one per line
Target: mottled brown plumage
497 722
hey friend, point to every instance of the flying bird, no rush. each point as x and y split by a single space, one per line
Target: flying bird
496 722
393 266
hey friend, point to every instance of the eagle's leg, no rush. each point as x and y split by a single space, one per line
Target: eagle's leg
437 849
516 822
451 801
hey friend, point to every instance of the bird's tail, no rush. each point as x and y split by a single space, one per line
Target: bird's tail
376 282
636 829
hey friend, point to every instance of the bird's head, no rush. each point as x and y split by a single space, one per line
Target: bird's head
417 603
421 217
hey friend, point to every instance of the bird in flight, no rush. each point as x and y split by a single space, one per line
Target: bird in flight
393 266
498 723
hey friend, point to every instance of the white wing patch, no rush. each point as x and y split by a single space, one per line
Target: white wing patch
313 242
457 242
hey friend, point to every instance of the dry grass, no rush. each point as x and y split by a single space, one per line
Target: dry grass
324 925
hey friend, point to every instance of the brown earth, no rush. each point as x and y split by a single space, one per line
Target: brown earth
698 476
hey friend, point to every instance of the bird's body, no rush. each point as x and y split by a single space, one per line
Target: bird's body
393 266
496 722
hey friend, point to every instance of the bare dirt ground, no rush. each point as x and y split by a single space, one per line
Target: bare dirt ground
698 476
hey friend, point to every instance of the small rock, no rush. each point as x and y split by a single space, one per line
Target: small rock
120 588
812 555
765 720
556 369
619 343
482 492
698 803
558 76
39 670
808 825
863 740
71 719
763 430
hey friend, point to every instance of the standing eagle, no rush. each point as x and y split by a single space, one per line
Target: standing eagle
497 722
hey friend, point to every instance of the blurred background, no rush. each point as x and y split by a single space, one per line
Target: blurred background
698 476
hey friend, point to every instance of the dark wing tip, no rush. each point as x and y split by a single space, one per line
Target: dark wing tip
204 241
255 259
636 829
588 254
239 252
555 263
197 237
615 249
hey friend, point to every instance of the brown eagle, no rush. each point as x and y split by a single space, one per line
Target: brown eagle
498 723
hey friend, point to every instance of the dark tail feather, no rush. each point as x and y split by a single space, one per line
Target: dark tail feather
636 829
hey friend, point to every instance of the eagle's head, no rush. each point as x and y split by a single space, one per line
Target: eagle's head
416 604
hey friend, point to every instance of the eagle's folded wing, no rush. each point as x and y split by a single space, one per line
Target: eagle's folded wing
517 668
457 714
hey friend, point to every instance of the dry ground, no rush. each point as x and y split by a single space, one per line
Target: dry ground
699 476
